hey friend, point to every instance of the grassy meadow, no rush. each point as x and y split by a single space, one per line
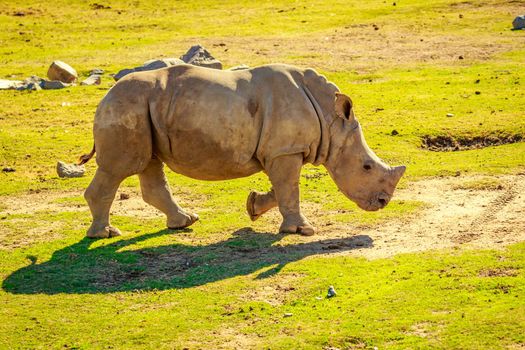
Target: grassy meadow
227 282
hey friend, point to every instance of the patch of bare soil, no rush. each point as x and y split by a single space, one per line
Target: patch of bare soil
451 143
365 47
454 217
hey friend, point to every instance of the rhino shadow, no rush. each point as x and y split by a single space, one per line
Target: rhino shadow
113 267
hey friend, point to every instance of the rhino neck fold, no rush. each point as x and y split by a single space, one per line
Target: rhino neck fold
324 139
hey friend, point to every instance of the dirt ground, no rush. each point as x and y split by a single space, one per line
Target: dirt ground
454 215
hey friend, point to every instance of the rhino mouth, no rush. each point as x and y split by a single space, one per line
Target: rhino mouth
376 202
372 203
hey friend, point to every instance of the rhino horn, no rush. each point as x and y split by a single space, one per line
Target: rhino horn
398 171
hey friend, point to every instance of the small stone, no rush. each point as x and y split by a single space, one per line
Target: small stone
122 73
62 71
518 23
199 56
460 57
93 79
478 92
319 298
70 170
124 196
8 170
288 314
450 115
53 84
394 132
477 81
331 292
10 84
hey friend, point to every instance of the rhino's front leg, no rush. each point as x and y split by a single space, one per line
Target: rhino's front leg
284 175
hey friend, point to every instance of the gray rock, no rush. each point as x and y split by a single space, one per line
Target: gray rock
122 73
93 79
70 170
239 67
161 63
148 65
331 292
62 71
52 84
10 84
31 83
519 22
199 56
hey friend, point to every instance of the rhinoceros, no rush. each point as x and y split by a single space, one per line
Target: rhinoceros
209 124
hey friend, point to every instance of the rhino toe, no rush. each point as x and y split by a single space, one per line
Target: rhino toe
305 230
105 232
190 219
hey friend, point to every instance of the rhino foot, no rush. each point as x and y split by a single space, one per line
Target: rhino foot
304 230
104 232
297 225
259 203
250 206
188 220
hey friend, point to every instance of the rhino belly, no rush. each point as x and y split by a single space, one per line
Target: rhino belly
209 154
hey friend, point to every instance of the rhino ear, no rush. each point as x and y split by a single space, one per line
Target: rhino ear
343 106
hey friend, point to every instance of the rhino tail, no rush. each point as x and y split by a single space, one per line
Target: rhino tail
86 157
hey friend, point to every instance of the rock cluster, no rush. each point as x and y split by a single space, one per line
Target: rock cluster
196 55
61 75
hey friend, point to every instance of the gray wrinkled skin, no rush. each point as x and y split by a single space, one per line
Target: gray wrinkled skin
216 125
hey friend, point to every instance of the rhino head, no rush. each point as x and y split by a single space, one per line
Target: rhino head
354 167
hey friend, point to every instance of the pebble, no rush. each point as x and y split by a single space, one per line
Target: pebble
450 115
8 170
93 79
518 23
331 292
288 314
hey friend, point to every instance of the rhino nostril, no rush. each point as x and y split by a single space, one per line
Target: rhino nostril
382 202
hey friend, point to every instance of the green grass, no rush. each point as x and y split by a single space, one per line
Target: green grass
228 282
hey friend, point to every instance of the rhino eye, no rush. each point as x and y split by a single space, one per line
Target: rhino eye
367 167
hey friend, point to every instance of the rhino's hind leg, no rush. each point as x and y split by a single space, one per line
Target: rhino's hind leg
99 195
156 191
259 203
284 175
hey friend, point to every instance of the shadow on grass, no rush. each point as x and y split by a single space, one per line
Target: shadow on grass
77 269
